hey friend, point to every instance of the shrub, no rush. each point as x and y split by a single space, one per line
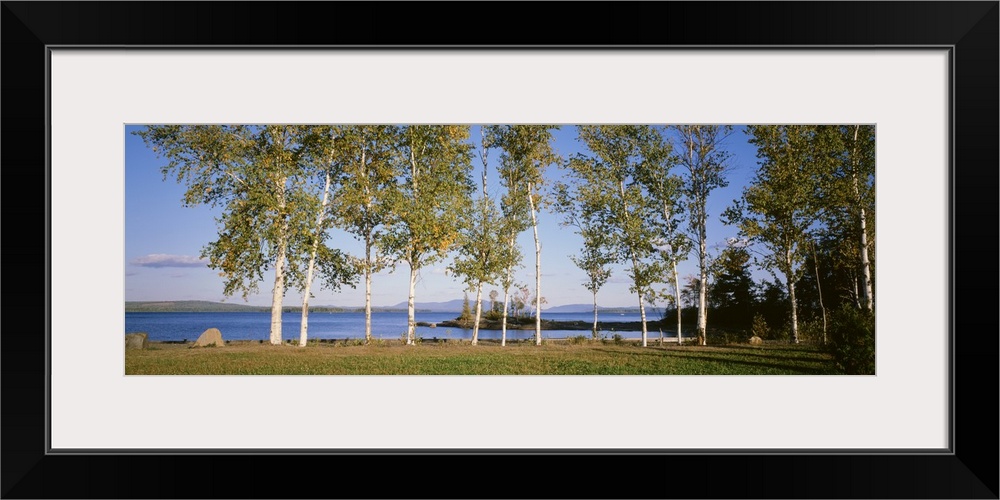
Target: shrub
811 330
759 328
852 340
617 338
578 339
716 336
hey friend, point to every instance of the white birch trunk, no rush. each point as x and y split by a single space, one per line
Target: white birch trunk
479 309
538 270
790 283
503 318
677 299
411 323
368 291
278 292
795 318
595 316
866 271
702 292
865 263
642 317
312 264
819 289
368 249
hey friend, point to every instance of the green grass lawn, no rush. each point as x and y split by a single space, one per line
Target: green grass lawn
552 358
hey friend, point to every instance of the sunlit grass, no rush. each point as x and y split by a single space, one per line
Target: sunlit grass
553 358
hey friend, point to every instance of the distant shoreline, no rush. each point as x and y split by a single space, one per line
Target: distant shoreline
577 325
194 306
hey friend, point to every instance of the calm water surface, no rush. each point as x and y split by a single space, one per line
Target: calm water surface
385 325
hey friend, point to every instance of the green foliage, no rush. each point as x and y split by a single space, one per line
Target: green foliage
852 340
783 202
621 186
525 152
732 294
579 209
431 194
576 339
618 339
466 315
760 328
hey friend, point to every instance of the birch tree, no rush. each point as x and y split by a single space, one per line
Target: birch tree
526 151
483 255
664 190
247 172
431 194
580 206
368 177
780 205
705 164
321 158
622 157
852 190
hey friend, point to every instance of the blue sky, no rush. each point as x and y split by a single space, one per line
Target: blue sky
163 240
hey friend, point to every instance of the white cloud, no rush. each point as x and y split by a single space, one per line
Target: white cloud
167 260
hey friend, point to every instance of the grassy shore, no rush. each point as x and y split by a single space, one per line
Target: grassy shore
555 357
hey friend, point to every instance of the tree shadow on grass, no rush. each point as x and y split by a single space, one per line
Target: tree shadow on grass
804 370
799 356
721 358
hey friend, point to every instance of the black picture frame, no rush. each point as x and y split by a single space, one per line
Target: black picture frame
970 29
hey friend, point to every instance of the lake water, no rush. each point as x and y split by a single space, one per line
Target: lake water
385 325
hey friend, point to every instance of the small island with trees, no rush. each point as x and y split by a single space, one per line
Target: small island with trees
636 195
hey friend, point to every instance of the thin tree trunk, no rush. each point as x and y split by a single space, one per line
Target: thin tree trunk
700 200
865 263
411 323
635 263
702 292
503 318
538 269
368 247
819 289
595 316
866 273
642 317
790 283
278 292
856 295
677 299
312 263
368 289
479 309
506 296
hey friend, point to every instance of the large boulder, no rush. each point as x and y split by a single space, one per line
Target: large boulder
755 340
136 340
210 337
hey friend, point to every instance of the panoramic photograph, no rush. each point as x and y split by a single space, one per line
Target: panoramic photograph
518 249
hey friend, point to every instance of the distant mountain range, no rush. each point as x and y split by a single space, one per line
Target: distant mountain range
449 306
454 306
589 308
208 306
190 306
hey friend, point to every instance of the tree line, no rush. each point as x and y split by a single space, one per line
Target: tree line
637 195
